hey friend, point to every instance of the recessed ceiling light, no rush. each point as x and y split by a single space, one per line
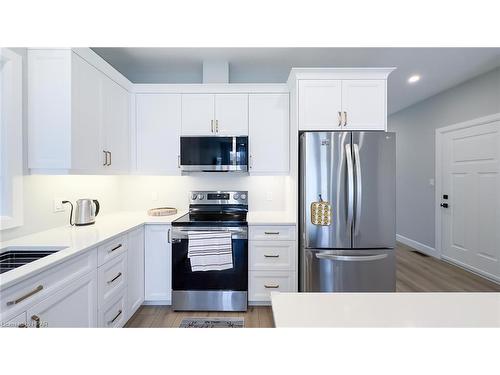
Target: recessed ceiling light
414 78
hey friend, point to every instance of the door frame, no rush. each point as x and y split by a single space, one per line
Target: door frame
440 132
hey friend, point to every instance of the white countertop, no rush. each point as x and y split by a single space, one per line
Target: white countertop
75 240
386 309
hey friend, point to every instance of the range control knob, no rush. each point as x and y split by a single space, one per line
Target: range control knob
243 197
194 196
201 196
236 196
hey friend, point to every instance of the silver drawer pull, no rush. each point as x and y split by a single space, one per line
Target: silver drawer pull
276 286
36 319
115 248
116 317
271 256
271 232
20 299
114 278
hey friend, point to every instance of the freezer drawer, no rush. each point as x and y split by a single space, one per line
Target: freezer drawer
348 270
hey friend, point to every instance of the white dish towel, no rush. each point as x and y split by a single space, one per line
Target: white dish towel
210 251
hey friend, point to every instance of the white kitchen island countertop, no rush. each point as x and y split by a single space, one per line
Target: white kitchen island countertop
386 309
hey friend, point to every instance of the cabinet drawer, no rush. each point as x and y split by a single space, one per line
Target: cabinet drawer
271 255
272 232
19 297
262 283
112 277
113 314
111 249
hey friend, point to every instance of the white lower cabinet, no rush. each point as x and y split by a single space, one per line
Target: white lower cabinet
73 306
272 261
158 264
114 313
135 271
112 278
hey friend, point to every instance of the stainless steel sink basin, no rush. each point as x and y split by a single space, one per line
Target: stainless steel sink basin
14 257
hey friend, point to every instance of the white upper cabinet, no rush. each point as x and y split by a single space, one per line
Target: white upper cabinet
320 102
269 133
198 114
333 99
231 114
78 118
214 114
364 104
158 127
115 125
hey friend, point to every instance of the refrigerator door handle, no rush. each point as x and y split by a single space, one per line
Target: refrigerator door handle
350 258
350 186
359 185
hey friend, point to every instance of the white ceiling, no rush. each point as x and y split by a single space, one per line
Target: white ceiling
440 68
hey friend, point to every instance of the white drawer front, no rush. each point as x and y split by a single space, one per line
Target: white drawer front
271 255
262 283
111 249
272 232
113 314
112 277
21 296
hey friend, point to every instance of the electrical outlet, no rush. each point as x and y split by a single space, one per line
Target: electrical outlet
58 205
269 196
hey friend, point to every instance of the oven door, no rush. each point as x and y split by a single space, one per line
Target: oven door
234 279
214 154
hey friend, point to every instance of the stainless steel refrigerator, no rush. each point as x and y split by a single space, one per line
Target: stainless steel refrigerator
347 212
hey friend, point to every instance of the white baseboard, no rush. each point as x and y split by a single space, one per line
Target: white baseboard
417 246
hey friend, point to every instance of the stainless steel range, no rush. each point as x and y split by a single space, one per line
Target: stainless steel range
212 290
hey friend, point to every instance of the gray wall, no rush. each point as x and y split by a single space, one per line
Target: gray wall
415 127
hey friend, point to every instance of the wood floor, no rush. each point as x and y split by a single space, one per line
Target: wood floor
414 273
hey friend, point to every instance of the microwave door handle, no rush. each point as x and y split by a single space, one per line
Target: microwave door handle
359 185
350 186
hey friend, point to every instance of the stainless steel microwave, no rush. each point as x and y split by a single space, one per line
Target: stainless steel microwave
214 154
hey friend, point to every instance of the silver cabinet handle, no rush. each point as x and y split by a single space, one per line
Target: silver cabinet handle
115 248
276 286
22 298
36 319
105 158
178 161
351 258
345 118
212 125
114 278
350 186
271 256
271 232
109 157
116 317
340 118
168 236
216 126
359 186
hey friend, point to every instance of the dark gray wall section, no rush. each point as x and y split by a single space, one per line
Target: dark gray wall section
415 127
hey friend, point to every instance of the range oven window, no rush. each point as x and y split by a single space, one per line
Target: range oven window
214 151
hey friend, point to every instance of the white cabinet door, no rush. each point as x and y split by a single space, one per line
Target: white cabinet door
320 101
135 266
158 263
73 306
158 128
231 114
86 137
364 104
115 125
269 133
198 114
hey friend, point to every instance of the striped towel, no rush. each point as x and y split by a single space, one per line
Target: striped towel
210 251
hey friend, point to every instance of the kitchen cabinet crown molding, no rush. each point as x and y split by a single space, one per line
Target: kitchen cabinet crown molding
338 73
212 88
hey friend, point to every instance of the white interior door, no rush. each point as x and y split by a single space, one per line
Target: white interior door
470 225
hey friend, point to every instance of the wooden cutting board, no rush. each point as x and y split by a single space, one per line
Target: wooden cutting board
162 211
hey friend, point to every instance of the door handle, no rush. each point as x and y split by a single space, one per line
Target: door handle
345 118
276 286
115 248
114 278
116 317
271 256
351 258
350 186
359 185
444 205
216 126
27 295
212 126
340 118
36 319
109 157
168 236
